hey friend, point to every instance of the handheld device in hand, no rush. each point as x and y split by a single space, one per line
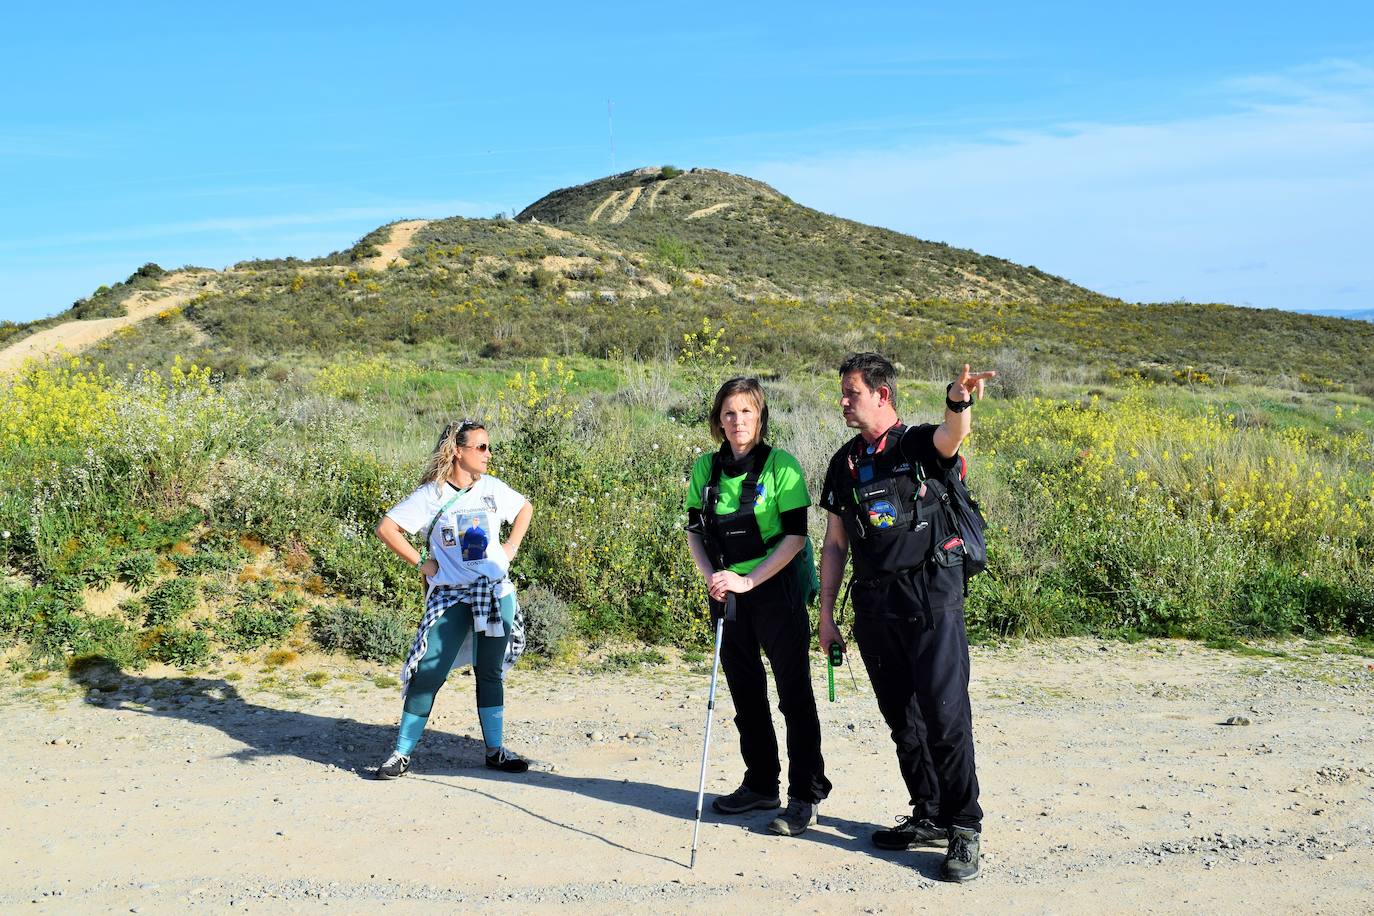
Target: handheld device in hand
833 658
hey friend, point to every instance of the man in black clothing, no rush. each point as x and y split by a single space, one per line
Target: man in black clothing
882 490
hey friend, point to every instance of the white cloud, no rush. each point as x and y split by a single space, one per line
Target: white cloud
1264 202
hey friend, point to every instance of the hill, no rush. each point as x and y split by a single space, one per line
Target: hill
628 264
732 228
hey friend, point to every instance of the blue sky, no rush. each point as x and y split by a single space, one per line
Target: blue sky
1210 152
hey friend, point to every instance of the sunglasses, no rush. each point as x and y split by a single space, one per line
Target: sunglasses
481 446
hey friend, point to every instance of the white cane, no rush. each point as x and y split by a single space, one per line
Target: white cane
729 613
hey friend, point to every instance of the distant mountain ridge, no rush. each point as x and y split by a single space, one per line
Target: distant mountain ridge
1356 315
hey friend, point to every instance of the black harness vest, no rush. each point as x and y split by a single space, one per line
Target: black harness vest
891 510
734 537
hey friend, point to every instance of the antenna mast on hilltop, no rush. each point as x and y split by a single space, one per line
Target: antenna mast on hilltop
610 130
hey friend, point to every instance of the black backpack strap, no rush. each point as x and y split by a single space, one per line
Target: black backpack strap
749 487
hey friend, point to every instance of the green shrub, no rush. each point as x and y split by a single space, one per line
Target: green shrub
180 646
548 621
169 600
204 561
138 568
633 659
56 633
135 609
250 627
364 631
112 642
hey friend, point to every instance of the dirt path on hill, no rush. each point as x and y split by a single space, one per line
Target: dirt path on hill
175 290
612 198
622 211
1109 781
402 234
707 211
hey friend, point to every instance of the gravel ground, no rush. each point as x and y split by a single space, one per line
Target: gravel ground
1110 778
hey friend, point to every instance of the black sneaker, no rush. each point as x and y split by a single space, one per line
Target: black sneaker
962 861
506 761
396 765
744 799
909 833
794 821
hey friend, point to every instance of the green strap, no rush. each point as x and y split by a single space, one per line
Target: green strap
424 551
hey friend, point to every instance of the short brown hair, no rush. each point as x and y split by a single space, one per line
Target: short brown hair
875 369
739 385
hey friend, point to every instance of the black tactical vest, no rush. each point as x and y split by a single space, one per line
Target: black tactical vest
735 537
891 508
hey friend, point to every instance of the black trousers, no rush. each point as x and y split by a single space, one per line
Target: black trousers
918 662
772 618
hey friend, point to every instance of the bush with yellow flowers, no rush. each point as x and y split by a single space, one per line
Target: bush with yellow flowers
1143 514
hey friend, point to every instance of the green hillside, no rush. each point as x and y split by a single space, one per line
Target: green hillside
203 485
624 267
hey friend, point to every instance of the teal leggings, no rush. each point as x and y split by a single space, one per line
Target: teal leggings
489 654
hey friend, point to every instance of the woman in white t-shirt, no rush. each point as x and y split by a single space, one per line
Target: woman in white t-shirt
470 607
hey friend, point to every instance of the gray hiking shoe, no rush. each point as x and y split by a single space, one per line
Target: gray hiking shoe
909 833
396 765
962 860
744 799
794 821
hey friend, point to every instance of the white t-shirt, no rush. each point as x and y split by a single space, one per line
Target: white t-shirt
466 538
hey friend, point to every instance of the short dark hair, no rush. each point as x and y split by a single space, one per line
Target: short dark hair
877 370
739 385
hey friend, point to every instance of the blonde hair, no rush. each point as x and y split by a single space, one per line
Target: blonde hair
739 385
445 455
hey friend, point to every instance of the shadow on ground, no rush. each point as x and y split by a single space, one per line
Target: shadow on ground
357 747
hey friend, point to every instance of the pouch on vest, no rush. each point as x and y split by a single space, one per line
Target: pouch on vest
960 540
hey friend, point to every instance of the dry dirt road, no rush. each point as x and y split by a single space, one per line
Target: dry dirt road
1109 781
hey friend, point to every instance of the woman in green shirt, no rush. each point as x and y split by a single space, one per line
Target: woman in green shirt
746 521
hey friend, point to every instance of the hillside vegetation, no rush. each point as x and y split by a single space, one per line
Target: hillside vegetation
206 483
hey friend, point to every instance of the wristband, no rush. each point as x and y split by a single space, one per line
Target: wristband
423 556
956 406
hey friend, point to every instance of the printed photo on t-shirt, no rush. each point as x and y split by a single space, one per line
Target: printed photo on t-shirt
473 538
448 536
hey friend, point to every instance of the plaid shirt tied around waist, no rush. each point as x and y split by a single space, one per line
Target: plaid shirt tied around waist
480 596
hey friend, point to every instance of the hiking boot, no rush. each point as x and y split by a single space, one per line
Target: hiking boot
909 833
962 861
507 761
744 799
794 821
396 765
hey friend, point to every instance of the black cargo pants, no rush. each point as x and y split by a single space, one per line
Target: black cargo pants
772 618
919 665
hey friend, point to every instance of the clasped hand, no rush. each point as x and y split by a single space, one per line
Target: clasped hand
725 581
